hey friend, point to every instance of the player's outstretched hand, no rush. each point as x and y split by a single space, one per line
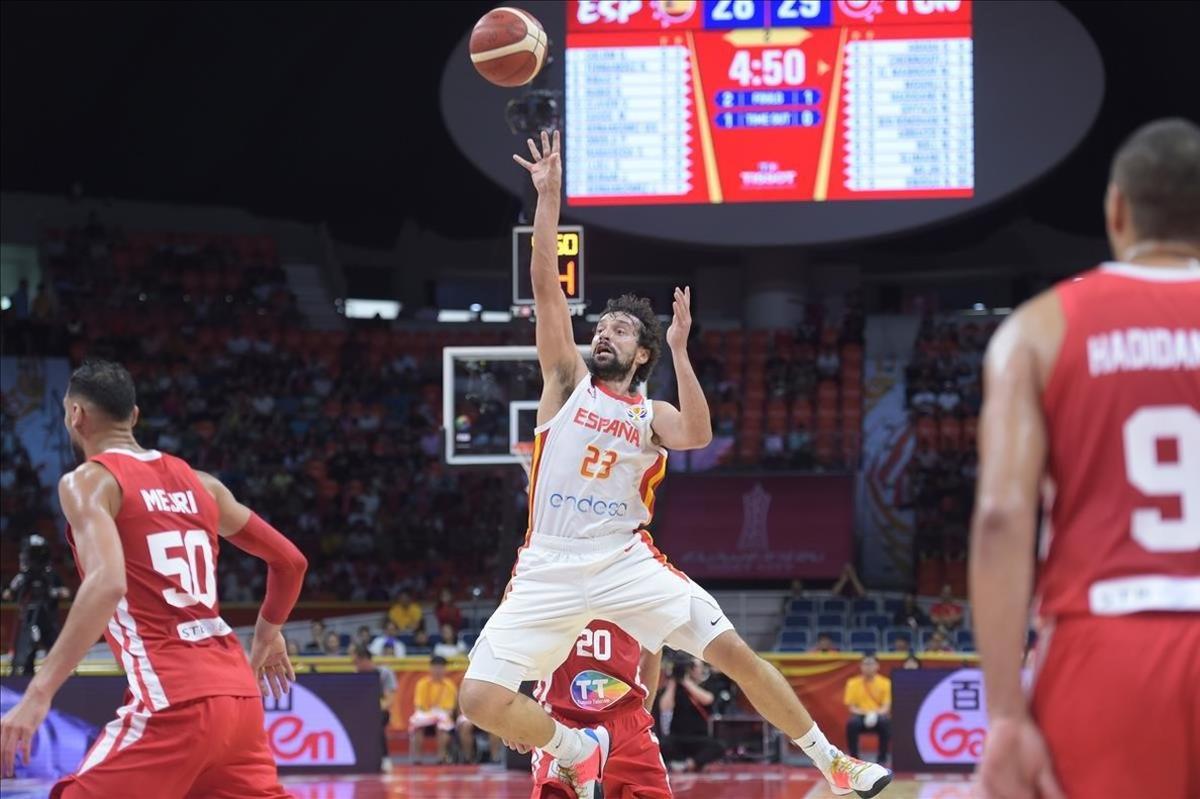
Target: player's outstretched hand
681 323
17 729
523 749
1016 763
546 167
270 662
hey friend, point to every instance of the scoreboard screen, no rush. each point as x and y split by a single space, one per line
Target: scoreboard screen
732 101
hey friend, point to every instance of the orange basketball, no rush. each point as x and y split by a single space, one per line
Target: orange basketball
508 46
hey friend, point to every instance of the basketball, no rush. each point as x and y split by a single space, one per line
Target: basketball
508 46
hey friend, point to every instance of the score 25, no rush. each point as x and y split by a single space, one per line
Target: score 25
727 14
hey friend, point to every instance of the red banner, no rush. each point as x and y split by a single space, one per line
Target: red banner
770 527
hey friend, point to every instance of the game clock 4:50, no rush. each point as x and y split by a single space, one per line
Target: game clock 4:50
769 68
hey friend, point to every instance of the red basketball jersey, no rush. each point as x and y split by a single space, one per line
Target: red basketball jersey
168 632
599 679
1123 410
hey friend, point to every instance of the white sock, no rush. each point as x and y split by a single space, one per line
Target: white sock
817 746
566 744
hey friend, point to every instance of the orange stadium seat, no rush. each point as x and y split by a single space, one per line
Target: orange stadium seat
802 412
931 575
927 432
824 448
949 434
969 425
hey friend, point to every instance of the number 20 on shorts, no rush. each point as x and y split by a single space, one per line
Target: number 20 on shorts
598 463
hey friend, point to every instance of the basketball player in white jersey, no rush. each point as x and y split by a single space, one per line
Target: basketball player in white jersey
600 451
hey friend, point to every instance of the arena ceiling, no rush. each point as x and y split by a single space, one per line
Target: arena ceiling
329 111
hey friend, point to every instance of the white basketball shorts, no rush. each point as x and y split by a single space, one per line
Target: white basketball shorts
559 585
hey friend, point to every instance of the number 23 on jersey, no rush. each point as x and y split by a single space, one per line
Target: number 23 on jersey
598 463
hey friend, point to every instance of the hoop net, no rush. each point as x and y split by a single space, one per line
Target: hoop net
523 452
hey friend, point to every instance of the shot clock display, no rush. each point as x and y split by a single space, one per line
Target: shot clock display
678 101
570 264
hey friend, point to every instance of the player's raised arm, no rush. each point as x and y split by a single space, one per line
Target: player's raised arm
1012 456
285 575
562 366
90 497
689 426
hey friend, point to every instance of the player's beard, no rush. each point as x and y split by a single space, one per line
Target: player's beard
611 369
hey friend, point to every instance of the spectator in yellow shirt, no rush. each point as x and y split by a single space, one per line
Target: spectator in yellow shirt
869 698
406 612
434 701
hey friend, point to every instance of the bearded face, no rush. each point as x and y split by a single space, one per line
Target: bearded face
614 347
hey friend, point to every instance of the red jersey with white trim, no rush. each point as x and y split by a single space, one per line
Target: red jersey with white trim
1122 407
168 632
600 678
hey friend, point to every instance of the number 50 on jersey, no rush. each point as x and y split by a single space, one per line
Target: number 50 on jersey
570 264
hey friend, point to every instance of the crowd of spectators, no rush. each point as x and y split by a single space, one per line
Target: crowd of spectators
944 392
334 436
788 399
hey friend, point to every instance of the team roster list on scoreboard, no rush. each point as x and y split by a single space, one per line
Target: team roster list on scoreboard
681 101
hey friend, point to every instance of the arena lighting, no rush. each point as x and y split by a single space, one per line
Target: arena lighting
455 316
495 316
368 309
5 303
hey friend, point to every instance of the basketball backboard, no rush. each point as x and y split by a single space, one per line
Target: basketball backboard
489 403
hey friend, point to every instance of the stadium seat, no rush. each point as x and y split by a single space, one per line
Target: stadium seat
864 639
802 606
968 432
830 619
879 621
794 639
927 434
469 640
802 413
864 605
834 605
964 640
949 434
892 604
798 621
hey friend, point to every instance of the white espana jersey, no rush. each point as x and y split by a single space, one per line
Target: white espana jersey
594 468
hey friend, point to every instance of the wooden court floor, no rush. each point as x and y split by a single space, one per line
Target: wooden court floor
718 782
